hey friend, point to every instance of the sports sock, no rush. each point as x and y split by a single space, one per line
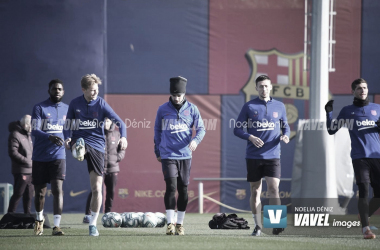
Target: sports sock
180 217
257 219
365 229
93 218
170 216
40 215
57 220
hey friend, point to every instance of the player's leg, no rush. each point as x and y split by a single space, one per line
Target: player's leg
272 173
57 174
39 203
28 194
40 176
362 175
87 216
170 171
96 182
182 183
110 181
254 176
18 191
374 203
273 190
56 189
95 166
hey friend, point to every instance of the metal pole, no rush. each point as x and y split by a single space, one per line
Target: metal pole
200 197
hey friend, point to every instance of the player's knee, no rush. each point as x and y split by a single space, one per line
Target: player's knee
171 185
272 191
363 190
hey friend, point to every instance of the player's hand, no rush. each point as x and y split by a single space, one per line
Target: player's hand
193 145
256 141
284 138
56 140
123 143
329 106
378 123
67 143
159 159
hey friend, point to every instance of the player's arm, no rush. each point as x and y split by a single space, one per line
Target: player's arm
157 134
36 127
333 125
285 129
199 128
70 124
239 128
119 122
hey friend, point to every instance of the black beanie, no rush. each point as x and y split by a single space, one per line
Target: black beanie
178 85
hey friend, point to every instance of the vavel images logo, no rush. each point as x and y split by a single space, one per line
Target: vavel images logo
275 216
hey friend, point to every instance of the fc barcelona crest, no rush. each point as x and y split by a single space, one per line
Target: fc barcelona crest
373 112
240 194
275 114
123 193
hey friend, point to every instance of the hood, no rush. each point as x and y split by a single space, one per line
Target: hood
16 126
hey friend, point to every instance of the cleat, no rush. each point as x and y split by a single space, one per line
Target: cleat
57 231
93 230
39 227
256 231
79 150
179 230
170 230
277 231
370 227
369 235
86 219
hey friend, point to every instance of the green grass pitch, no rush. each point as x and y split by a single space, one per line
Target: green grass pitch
198 236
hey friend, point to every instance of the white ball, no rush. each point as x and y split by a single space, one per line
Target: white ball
111 219
161 219
131 220
149 220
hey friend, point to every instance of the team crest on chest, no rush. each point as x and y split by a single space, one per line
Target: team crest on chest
255 113
95 114
373 112
64 117
186 112
275 114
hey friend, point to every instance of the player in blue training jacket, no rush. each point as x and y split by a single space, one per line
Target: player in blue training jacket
87 141
49 156
362 119
173 146
264 119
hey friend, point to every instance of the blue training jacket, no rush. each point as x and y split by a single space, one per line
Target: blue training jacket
265 120
364 133
173 130
48 118
89 121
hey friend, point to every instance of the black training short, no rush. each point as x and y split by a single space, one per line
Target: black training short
177 168
44 172
95 160
259 168
367 170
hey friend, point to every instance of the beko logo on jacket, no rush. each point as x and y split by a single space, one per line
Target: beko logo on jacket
178 128
53 128
365 124
87 124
